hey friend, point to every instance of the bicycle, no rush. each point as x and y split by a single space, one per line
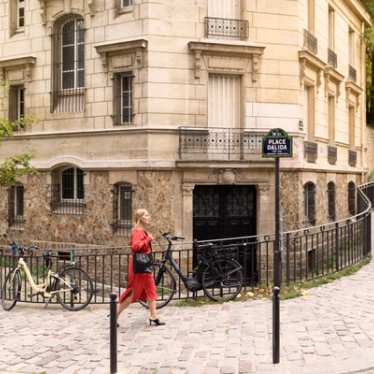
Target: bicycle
220 277
72 286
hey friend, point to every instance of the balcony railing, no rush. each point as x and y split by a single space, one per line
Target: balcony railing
226 27
352 158
352 73
310 151
219 144
332 154
332 58
310 42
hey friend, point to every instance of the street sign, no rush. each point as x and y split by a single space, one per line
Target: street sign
277 143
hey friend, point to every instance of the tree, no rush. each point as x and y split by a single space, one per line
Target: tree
14 166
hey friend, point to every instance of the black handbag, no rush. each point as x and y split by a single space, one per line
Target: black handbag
142 263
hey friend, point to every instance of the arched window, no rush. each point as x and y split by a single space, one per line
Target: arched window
331 201
310 203
352 198
68 64
72 186
122 208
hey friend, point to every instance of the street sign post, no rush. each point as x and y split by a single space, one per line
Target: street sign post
277 143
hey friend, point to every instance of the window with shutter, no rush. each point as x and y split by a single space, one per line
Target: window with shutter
123 98
17 105
16 206
331 201
122 208
310 202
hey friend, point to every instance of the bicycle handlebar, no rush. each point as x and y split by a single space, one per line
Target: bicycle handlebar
171 238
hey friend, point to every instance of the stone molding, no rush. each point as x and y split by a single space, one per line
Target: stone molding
308 59
332 75
135 46
355 90
226 49
21 63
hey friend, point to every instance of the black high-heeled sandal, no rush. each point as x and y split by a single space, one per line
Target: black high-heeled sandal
156 321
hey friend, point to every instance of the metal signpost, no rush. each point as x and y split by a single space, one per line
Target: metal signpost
277 143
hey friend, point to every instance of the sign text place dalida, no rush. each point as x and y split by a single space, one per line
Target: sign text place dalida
277 143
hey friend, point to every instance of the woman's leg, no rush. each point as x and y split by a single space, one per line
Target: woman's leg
152 309
122 306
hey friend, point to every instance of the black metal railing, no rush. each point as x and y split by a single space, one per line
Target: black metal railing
332 58
226 27
60 205
310 42
352 158
218 144
332 154
310 151
68 100
352 74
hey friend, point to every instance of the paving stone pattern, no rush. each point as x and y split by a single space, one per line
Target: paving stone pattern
330 330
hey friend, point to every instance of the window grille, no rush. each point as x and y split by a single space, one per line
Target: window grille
125 3
68 65
310 202
352 198
123 98
331 200
122 208
67 195
17 105
20 14
16 206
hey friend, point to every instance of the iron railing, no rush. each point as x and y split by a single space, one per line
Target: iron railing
306 254
219 144
310 42
332 58
352 74
332 154
310 151
65 206
352 158
226 27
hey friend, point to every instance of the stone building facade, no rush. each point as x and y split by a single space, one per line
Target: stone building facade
163 104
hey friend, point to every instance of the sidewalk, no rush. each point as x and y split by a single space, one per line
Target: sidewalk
329 331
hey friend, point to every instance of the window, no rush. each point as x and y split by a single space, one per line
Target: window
72 187
331 197
331 118
310 203
16 103
122 208
352 198
229 9
309 112
224 109
351 47
123 98
20 14
331 29
310 15
351 129
16 206
68 65
126 3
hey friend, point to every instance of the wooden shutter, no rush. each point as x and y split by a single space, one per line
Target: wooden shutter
11 216
115 206
13 100
117 99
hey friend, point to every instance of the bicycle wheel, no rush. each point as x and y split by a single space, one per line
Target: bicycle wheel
75 289
165 285
222 280
11 290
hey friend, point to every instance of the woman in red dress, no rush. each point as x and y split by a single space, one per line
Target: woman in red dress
140 286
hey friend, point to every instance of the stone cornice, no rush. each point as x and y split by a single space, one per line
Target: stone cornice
307 58
360 11
24 62
334 76
353 87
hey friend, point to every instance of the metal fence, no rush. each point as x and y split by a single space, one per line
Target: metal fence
306 254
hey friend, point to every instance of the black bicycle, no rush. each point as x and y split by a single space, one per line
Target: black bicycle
219 276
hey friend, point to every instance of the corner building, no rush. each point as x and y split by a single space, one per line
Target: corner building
163 104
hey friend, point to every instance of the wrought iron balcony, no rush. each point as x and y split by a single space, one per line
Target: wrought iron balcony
226 27
352 158
332 154
332 58
310 42
310 151
212 143
352 73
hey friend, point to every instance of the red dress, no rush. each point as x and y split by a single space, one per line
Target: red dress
142 286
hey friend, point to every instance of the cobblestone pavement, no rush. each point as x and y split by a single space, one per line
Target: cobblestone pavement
330 330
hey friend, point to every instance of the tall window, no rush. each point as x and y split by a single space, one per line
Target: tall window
122 208
310 203
16 103
20 14
72 186
311 15
351 124
224 9
331 201
331 29
309 112
351 47
224 101
68 65
123 98
331 118
352 198
16 205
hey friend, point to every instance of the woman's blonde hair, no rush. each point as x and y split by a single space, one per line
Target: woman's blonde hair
139 214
